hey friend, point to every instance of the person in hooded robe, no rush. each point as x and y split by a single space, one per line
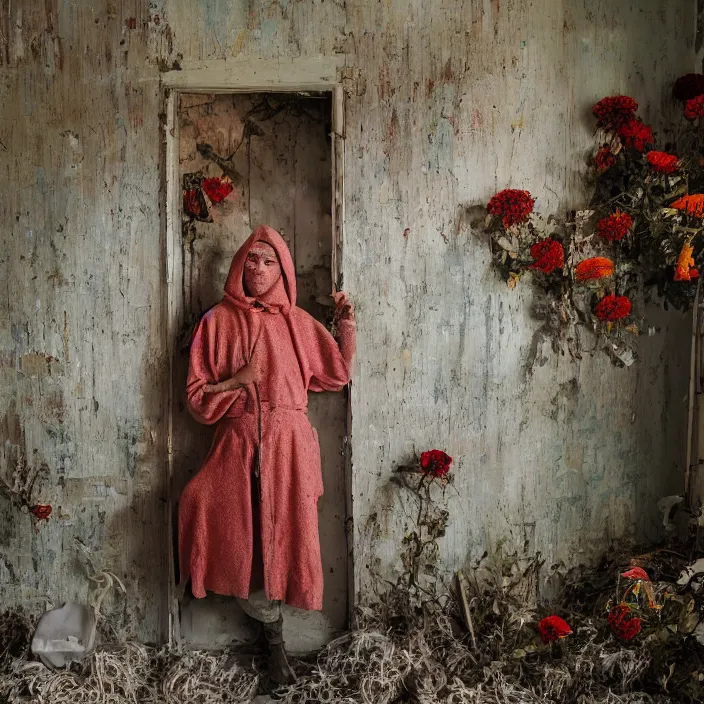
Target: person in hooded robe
248 521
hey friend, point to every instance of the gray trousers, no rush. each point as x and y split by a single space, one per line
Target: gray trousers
260 608
257 606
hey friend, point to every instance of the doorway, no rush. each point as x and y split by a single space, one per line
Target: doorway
238 160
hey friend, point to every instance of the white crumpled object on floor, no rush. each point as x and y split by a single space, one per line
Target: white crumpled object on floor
666 506
697 567
64 635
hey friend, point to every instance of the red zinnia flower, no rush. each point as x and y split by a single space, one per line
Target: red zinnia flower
688 86
612 308
614 227
548 255
553 627
41 511
622 623
604 159
635 134
636 573
435 462
217 189
694 108
594 268
614 111
662 162
511 205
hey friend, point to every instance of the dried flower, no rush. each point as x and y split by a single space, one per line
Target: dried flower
692 205
614 227
41 511
636 573
615 111
548 255
625 626
435 462
192 203
688 86
604 159
662 162
612 308
511 205
685 269
635 134
553 627
217 189
594 268
694 108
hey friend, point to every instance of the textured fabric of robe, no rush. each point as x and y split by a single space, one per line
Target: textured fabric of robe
295 354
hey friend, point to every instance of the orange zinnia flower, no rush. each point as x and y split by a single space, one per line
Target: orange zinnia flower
692 205
685 269
594 268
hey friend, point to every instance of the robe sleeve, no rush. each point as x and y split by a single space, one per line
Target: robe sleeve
330 364
203 369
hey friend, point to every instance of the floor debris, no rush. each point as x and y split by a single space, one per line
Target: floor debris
634 640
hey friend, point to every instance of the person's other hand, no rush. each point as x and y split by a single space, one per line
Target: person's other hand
344 310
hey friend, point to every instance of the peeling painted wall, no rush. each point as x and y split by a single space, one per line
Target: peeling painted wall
448 102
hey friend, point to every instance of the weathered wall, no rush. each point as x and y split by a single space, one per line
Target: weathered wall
449 101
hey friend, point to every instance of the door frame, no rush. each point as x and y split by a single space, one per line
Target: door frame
298 75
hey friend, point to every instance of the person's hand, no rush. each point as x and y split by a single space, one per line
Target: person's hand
344 310
227 385
247 375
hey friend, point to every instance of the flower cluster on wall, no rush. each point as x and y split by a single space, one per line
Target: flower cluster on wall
638 239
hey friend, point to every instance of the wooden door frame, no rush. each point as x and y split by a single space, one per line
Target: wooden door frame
299 75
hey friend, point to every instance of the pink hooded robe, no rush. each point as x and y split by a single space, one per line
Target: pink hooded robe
295 354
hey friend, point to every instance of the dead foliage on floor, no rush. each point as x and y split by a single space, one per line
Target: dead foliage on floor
408 648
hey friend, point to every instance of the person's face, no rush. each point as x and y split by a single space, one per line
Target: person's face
261 269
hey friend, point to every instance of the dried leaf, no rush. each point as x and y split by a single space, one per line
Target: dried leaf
689 623
504 243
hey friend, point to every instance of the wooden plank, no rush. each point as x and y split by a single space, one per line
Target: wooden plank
256 75
174 312
338 186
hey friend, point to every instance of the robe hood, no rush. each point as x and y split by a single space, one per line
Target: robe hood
282 296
